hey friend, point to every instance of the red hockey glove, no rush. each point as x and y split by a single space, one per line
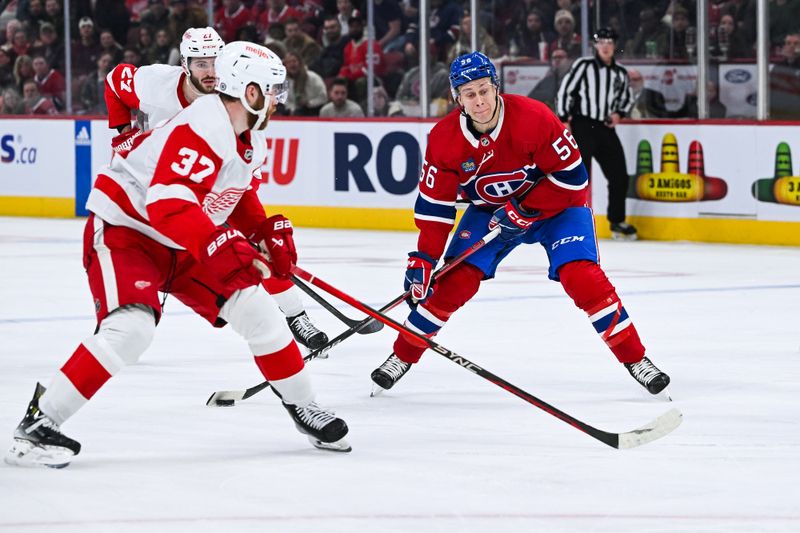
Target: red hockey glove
513 220
418 276
232 259
275 237
124 141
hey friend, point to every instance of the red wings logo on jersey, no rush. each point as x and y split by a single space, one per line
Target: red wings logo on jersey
499 187
226 200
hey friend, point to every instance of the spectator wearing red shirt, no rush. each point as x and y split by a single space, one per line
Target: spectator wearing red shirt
49 81
35 103
233 16
278 11
20 43
354 66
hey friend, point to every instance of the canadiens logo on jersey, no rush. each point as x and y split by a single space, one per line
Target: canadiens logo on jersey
499 187
225 201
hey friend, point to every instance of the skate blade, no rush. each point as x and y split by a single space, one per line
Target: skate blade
664 395
26 453
377 390
340 445
623 237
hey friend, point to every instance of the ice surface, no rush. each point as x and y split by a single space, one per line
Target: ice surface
444 451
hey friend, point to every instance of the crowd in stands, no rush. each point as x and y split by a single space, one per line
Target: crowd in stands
324 44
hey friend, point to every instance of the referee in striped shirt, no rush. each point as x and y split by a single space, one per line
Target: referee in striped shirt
591 100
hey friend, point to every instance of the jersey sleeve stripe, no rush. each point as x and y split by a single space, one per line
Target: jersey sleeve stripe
568 186
170 192
424 208
573 165
574 179
430 200
110 82
117 195
426 218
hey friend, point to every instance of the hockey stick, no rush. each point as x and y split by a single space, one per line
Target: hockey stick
372 327
647 433
230 397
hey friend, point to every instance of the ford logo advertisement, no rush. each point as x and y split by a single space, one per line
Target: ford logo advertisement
738 76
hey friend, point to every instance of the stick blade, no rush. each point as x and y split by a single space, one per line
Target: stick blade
225 398
661 426
373 326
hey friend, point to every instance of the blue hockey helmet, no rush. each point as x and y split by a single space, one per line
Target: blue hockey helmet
469 67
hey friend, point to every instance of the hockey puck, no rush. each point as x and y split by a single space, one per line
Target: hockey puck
224 403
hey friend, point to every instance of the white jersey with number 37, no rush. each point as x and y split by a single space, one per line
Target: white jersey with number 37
194 158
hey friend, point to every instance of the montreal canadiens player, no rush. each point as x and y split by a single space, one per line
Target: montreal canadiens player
158 92
520 168
177 213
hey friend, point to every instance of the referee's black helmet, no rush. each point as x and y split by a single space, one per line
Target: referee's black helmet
605 33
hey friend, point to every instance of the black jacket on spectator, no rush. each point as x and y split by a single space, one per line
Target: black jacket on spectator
54 54
112 15
784 91
331 59
92 94
6 76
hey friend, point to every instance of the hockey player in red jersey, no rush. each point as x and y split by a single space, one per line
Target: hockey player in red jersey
521 170
158 92
177 213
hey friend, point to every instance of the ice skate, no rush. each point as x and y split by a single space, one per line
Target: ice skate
38 441
306 333
385 376
649 376
622 231
325 431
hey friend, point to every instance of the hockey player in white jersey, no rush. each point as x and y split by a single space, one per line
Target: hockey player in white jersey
158 92
177 213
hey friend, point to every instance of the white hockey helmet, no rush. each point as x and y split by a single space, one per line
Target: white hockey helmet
199 42
241 63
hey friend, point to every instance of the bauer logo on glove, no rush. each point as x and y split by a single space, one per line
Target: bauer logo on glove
221 239
274 237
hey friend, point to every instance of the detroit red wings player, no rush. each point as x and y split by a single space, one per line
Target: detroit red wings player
161 91
177 213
